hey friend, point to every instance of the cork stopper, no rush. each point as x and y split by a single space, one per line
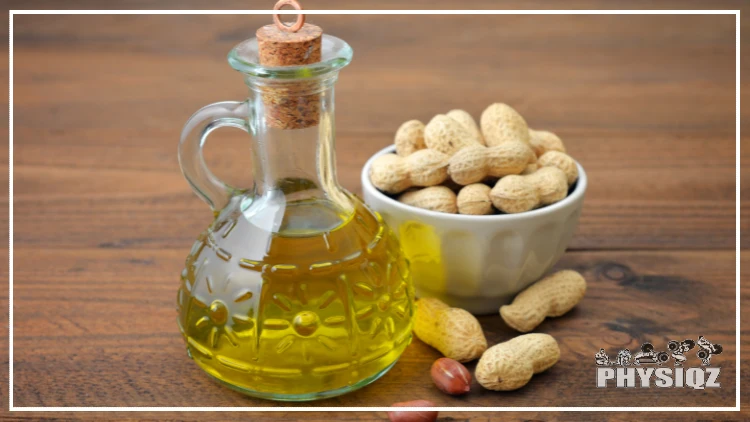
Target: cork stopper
294 45
278 47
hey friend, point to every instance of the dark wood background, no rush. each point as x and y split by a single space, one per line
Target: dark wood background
103 218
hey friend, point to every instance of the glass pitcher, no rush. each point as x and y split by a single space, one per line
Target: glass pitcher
296 290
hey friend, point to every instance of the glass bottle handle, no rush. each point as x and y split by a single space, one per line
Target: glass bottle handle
208 187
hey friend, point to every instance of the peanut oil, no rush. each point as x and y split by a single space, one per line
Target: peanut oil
297 312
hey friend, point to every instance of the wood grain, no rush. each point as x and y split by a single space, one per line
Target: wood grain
112 325
103 218
623 115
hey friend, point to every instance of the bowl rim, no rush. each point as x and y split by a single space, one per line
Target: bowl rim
575 196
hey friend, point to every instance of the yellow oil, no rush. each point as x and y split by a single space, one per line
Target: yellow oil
422 247
296 312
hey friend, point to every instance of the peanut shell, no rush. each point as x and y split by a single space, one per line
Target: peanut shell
434 198
552 296
474 199
453 331
447 135
468 122
390 174
409 138
508 158
563 161
530 168
551 184
468 165
543 141
427 167
510 365
500 123
475 163
514 194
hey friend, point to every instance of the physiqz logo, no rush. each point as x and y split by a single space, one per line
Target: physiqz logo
627 370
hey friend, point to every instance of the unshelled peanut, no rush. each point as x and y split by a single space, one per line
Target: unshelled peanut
500 123
562 161
510 365
474 199
474 163
453 331
409 138
551 296
468 122
394 174
530 168
514 194
447 135
434 198
543 141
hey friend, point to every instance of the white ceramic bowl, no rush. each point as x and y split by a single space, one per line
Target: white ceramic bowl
478 263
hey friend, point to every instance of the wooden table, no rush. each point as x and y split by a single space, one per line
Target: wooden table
103 218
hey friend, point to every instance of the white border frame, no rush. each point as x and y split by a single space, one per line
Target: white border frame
12 13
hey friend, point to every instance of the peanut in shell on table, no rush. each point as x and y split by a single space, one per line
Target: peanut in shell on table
510 365
552 296
453 331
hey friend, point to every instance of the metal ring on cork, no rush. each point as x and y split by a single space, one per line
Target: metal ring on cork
300 17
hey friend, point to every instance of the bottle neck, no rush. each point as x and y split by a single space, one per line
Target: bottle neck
293 141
